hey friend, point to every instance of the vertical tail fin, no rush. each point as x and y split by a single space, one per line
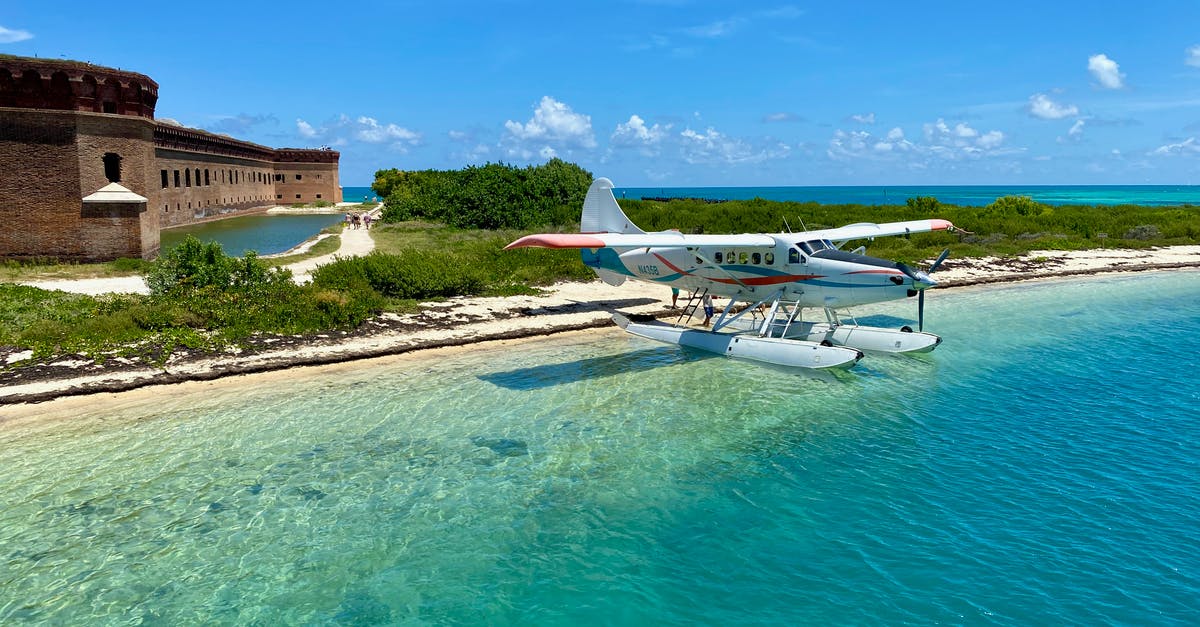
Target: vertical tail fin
601 213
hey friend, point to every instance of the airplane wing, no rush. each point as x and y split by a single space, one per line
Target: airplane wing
865 230
662 239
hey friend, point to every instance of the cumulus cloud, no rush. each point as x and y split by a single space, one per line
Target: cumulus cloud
940 140
1041 106
1187 147
1193 56
372 132
368 130
553 127
1074 134
305 129
866 118
712 146
1106 71
11 36
635 134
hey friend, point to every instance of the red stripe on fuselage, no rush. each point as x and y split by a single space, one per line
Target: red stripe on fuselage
762 280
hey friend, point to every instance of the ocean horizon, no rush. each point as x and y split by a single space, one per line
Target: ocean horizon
963 195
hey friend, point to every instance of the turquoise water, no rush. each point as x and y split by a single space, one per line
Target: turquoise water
965 195
264 234
356 194
1041 467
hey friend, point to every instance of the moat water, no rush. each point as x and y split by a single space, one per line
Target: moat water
263 234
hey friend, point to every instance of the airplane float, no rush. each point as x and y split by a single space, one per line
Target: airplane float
778 275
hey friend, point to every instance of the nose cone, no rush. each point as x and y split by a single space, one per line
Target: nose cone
922 280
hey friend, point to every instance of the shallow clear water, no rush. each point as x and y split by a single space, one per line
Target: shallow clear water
1041 467
264 234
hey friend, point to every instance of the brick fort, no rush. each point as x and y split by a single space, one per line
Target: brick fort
88 174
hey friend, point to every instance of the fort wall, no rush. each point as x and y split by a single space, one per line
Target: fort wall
68 129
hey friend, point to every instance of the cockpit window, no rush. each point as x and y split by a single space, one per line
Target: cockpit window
815 245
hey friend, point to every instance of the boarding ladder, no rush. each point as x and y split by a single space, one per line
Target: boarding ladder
693 303
779 318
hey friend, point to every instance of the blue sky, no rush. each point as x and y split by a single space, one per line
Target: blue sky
673 92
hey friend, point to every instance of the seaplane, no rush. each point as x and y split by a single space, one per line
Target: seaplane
776 276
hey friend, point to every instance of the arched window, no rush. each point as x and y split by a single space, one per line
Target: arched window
60 92
29 93
8 91
112 167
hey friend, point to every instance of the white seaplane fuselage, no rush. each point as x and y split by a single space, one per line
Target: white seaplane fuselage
786 272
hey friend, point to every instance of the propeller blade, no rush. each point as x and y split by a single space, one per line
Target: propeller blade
940 259
921 310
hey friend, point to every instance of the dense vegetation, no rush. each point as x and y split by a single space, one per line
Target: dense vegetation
199 297
1011 225
493 196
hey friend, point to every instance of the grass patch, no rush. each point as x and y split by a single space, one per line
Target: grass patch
52 269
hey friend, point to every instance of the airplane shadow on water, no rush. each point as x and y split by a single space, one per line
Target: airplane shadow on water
550 375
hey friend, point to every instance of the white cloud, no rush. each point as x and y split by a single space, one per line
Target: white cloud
635 133
940 140
868 118
1193 56
990 140
1041 106
1074 134
1106 71
305 129
1187 147
372 132
10 36
554 126
363 129
712 146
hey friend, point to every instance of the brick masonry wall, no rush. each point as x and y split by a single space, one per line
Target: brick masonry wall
209 186
54 141
307 183
50 160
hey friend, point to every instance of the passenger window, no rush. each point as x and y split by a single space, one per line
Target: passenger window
756 259
770 257
793 255
717 256
729 258
742 257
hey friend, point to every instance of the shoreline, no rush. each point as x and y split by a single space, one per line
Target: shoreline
461 322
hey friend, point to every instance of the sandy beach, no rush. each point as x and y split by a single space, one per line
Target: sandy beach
463 322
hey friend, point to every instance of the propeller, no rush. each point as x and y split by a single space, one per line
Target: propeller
921 293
